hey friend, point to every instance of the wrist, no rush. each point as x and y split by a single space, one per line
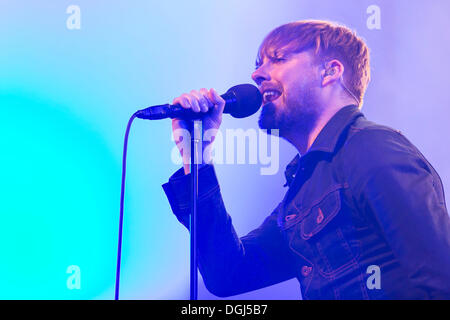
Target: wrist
205 154
187 167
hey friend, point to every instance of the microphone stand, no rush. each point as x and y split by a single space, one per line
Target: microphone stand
196 158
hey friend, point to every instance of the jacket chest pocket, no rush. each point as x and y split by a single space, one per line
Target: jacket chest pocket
320 215
315 215
319 234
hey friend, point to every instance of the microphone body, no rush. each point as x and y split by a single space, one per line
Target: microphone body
240 101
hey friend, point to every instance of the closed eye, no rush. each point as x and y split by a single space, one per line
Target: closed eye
278 57
278 60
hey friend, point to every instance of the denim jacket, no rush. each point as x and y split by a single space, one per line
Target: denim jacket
364 218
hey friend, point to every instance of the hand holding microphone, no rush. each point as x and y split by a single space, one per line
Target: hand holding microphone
203 101
240 101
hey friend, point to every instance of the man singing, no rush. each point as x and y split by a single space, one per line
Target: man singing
362 200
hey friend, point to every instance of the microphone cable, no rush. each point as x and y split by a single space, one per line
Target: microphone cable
122 196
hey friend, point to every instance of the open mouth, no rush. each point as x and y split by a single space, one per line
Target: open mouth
270 95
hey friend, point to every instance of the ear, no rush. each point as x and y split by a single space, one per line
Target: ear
333 71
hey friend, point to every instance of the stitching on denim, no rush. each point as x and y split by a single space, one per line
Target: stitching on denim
308 211
312 264
347 246
332 274
352 264
323 256
328 265
327 219
361 277
347 266
361 284
337 294
363 287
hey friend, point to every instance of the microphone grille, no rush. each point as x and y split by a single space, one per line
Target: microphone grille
248 100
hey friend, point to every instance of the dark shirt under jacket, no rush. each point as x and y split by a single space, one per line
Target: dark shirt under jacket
362 196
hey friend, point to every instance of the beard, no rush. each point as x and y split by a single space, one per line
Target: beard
298 117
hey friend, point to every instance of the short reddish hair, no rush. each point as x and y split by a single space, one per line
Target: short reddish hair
328 41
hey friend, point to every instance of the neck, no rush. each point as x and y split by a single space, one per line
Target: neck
303 140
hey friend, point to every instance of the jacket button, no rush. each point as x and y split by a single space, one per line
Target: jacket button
306 271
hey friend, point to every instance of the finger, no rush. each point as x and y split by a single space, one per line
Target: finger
218 101
182 101
186 101
205 93
202 102
194 103
190 102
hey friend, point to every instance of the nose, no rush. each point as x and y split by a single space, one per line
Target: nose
260 75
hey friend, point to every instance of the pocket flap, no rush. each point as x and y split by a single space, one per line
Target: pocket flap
321 214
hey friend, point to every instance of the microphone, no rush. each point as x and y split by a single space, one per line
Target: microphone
241 101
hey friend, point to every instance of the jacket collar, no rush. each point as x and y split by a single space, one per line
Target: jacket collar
328 137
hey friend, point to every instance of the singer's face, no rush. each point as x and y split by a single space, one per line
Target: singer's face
290 84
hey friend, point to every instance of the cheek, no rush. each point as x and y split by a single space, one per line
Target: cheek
293 90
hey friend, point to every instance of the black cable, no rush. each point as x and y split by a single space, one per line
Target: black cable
122 195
